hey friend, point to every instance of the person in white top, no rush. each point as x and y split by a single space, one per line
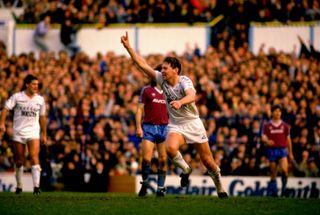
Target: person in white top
29 119
185 125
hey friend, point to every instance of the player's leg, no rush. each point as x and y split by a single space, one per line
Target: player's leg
147 151
19 153
163 167
34 149
205 154
173 142
284 165
272 189
272 186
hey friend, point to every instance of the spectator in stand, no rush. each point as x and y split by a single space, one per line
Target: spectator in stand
41 32
68 36
55 12
99 178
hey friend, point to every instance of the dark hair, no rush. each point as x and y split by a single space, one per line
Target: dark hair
28 79
153 82
174 62
275 107
158 67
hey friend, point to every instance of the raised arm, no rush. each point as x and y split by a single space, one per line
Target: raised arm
137 59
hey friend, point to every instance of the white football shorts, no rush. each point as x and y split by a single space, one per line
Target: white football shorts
24 139
192 131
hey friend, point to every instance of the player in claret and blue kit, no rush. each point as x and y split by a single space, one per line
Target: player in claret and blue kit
276 136
151 125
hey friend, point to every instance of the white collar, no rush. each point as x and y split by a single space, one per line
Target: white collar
158 90
276 124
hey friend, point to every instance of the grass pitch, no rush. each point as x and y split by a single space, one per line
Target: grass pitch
117 203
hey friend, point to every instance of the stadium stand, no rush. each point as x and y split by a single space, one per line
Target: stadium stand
92 101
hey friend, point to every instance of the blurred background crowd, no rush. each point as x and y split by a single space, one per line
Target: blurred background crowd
166 11
91 101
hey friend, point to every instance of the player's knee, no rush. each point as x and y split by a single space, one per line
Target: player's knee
171 151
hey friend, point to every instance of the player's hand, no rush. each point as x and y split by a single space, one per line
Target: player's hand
44 140
139 132
176 104
291 158
270 143
125 40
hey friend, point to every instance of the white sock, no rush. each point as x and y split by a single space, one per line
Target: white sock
19 173
35 170
180 162
216 177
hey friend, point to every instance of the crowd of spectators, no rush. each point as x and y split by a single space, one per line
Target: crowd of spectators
91 102
236 14
170 11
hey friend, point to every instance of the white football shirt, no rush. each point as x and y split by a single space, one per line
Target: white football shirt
186 112
26 113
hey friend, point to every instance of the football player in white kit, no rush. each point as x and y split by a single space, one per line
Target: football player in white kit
185 125
29 118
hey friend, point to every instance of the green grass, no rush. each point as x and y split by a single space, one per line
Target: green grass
114 203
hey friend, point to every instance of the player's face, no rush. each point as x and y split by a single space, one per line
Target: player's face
32 88
167 71
276 115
